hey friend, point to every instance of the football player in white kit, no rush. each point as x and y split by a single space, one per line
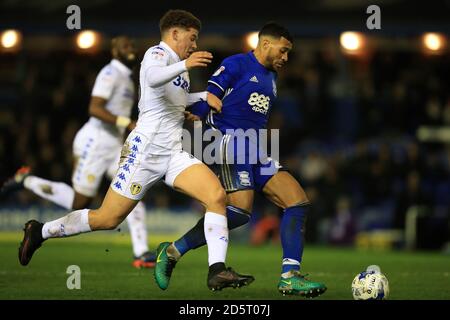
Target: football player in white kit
97 147
153 151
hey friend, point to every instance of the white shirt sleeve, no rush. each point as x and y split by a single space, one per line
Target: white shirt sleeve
104 83
196 97
157 70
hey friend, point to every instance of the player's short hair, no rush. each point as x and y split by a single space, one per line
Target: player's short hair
117 39
179 18
275 30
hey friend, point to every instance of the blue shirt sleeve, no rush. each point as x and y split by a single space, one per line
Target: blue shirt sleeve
200 109
224 78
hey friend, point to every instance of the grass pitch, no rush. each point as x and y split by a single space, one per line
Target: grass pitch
106 272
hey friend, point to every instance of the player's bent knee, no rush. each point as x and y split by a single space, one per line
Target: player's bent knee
295 202
291 199
217 197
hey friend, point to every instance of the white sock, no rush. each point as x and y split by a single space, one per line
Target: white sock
138 229
72 224
57 192
216 234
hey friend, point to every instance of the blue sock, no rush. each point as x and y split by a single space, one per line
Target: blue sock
291 230
195 237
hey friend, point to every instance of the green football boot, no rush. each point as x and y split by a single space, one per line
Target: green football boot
164 266
297 284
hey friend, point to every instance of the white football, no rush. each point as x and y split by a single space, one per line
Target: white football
370 285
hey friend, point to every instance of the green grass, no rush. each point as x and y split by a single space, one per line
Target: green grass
106 272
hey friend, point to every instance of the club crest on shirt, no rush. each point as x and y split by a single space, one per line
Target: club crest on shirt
244 178
91 178
135 188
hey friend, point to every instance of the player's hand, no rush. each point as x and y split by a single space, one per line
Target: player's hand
191 117
198 59
214 102
131 126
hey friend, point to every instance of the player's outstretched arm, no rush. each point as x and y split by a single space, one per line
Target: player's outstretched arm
214 102
196 97
97 109
202 108
158 73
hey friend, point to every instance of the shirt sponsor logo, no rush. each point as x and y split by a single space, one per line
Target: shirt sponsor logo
259 102
183 83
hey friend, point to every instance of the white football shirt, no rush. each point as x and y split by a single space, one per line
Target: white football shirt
164 95
114 84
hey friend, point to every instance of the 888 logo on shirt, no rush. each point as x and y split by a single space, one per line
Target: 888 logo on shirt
259 102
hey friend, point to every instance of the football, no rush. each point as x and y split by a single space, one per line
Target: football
370 285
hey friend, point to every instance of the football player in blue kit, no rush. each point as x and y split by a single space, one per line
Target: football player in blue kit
244 89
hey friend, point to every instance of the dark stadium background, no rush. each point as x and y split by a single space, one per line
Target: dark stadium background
348 123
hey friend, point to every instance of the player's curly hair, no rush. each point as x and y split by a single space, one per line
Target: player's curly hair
179 18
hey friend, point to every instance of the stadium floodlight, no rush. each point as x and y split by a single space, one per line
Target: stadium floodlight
10 39
252 39
87 39
433 41
351 41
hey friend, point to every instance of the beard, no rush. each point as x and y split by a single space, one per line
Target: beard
271 65
128 59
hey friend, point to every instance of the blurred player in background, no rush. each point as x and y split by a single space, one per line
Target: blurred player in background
153 151
97 146
244 89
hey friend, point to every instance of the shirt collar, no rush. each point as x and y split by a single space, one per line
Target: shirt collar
168 48
122 68
252 57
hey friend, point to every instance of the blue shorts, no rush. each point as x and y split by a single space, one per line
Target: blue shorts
241 168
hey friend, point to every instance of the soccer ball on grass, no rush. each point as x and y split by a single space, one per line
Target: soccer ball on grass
370 285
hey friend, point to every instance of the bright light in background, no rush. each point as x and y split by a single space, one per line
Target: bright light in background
87 39
252 39
351 41
433 41
10 39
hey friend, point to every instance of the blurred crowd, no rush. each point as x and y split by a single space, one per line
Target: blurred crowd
347 131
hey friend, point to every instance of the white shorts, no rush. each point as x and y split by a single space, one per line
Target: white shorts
140 168
97 152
